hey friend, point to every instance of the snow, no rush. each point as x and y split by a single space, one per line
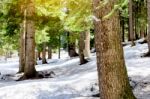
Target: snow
71 80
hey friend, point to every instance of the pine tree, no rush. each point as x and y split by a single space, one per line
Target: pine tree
113 79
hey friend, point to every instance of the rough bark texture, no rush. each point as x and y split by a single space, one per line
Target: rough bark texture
87 44
44 54
131 33
30 71
113 79
81 49
49 52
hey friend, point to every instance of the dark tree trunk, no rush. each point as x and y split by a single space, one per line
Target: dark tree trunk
122 23
81 48
44 54
49 52
71 47
72 50
113 79
128 30
39 55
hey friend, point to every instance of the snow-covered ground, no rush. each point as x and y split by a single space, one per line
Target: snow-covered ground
73 81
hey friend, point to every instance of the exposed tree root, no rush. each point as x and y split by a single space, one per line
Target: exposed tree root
146 54
38 75
96 95
35 76
84 62
143 42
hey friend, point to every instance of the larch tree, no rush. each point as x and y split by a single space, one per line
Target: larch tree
87 44
113 78
81 48
30 71
44 61
22 48
131 27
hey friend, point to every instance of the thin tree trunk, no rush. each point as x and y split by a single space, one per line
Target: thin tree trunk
39 55
113 79
129 39
131 23
148 35
87 44
81 48
49 52
44 54
122 26
59 48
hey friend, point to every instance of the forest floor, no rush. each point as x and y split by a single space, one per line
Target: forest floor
71 80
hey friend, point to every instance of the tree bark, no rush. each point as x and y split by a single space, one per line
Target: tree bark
87 44
39 55
81 49
71 47
44 54
30 71
148 34
131 23
22 49
113 79
49 52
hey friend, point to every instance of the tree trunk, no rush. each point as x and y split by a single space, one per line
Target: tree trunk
22 49
142 34
30 71
71 47
122 26
44 54
81 49
87 44
129 39
113 79
39 55
131 23
148 34
49 52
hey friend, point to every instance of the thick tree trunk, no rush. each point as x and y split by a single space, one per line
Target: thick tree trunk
44 54
81 48
113 79
49 52
30 71
87 44
131 24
